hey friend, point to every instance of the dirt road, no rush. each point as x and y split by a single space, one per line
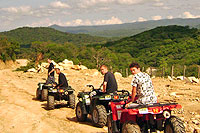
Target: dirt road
21 113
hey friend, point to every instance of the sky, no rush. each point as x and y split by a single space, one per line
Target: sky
43 13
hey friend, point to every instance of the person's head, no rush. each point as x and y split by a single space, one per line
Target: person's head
57 70
49 60
104 69
134 68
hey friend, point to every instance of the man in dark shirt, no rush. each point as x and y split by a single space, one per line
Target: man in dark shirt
51 78
109 83
62 81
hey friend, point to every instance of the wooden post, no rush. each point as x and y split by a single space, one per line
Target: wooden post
126 72
142 69
121 71
151 72
184 69
163 72
172 72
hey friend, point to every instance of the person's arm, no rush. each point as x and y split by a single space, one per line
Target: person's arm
133 94
51 71
104 86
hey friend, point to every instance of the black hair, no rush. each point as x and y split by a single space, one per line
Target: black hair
134 64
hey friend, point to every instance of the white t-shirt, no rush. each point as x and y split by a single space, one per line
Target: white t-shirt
144 88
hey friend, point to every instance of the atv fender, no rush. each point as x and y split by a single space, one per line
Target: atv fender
125 116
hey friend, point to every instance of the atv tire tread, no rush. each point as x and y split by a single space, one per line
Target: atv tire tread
72 101
176 124
50 102
130 127
44 94
83 116
102 120
109 123
37 94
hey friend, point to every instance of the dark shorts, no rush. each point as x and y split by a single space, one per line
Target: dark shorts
50 80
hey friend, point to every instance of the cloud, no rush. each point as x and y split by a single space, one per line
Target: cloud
129 1
112 20
89 3
170 17
59 4
45 22
141 19
159 4
189 15
78 22
156 17
21 9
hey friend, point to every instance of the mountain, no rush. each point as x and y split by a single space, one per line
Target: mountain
164 45
127 29
27 35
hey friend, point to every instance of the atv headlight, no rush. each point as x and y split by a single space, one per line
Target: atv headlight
166 114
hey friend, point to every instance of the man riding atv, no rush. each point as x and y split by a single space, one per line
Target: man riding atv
142 87
109 83
61 91
62 81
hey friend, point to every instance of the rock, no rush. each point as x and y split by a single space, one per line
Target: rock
82 67
173 94
32 70
44 65
117 74
197 116
196 122
170 78
76 67
66 66
180 78
22 62
196 130
68 62
193 80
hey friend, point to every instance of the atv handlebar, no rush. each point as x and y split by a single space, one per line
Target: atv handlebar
90 86
124 91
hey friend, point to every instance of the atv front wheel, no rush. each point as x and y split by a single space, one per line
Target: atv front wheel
72 101
130 127
99 116
50 102
79 112
174 125
44 94
38 94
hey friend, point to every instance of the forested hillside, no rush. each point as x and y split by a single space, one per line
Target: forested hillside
161 47
27 35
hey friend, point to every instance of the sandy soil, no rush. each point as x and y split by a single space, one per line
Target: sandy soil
21 113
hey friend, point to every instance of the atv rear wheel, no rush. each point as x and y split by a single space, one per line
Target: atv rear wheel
110 123
72 101
44 94
99 116
174 125
79 112
38 94
50 102
130 127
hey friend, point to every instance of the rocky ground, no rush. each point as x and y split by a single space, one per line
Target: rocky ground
21 112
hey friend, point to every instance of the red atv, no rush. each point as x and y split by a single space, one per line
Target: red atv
144 118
